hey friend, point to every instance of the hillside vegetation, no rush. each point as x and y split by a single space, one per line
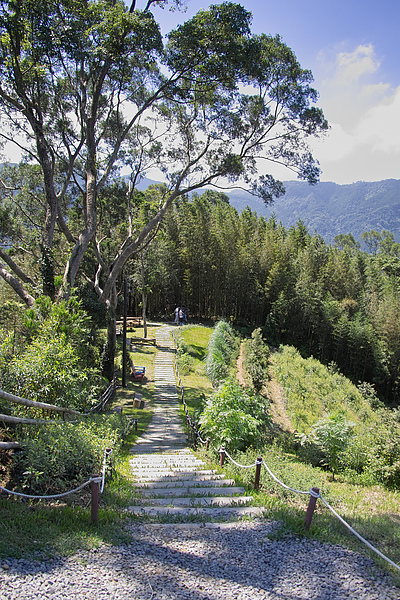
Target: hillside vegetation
337 425
337 303
344 423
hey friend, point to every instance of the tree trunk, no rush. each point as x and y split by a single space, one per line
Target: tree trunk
144 302
17 287
110 347
144 296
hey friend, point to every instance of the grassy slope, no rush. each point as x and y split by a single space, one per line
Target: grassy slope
312 391
197 386
372 510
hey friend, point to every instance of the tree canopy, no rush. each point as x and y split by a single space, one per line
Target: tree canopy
89 87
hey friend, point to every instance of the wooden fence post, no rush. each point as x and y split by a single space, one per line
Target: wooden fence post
258 471
95 488
310 508
222 457
207 443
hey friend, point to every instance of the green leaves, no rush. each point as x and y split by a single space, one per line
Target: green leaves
233 417
208 44
256 353
220 350
58 363
58 457
333 435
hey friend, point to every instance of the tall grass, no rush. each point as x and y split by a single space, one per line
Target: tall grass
319 398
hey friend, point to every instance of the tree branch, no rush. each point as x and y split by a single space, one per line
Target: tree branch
14 267
17 286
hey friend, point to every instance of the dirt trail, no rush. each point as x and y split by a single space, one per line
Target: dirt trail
276 395
273 390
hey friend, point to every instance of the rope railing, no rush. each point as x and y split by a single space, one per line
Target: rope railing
105 397
49 496
314 492
96 483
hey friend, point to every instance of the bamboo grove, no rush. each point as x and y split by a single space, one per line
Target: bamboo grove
337 303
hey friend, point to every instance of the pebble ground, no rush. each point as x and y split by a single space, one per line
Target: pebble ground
232 561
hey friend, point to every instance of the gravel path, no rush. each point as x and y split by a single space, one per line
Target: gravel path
194 562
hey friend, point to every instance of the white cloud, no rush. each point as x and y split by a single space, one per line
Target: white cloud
363 112
351 66
380 126
375 90
335 145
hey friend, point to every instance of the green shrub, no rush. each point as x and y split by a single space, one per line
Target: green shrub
384 452
256 355
58 361
60 456
234 418
49 371
185 363
222 346
333 435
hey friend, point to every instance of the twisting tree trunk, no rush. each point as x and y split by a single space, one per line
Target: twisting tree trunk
110 347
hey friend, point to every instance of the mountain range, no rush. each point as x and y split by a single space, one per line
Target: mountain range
330 209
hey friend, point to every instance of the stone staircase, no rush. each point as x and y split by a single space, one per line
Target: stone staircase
169 479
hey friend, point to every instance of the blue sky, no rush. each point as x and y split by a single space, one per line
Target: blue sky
353 49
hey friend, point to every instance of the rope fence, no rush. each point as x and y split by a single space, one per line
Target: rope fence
314 493
96 483
106 396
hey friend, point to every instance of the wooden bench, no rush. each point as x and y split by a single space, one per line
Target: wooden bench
138 373
140 340
130 322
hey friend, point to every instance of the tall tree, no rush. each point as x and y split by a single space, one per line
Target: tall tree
90 87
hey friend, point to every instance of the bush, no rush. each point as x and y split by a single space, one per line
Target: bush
49 371
333 435
234 417
256 354
60 456
185 363
57 362
220 350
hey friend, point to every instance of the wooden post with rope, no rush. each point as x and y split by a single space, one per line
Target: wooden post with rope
222 457
95 489
311 508
258 472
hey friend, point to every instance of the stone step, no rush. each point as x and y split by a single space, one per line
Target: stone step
169 479
224 512
196 501
194 492
182 476
168 460
162 471
185 483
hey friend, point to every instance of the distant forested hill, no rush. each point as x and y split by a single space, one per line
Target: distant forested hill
331 209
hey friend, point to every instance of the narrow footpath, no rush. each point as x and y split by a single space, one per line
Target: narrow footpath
222 556
170 481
